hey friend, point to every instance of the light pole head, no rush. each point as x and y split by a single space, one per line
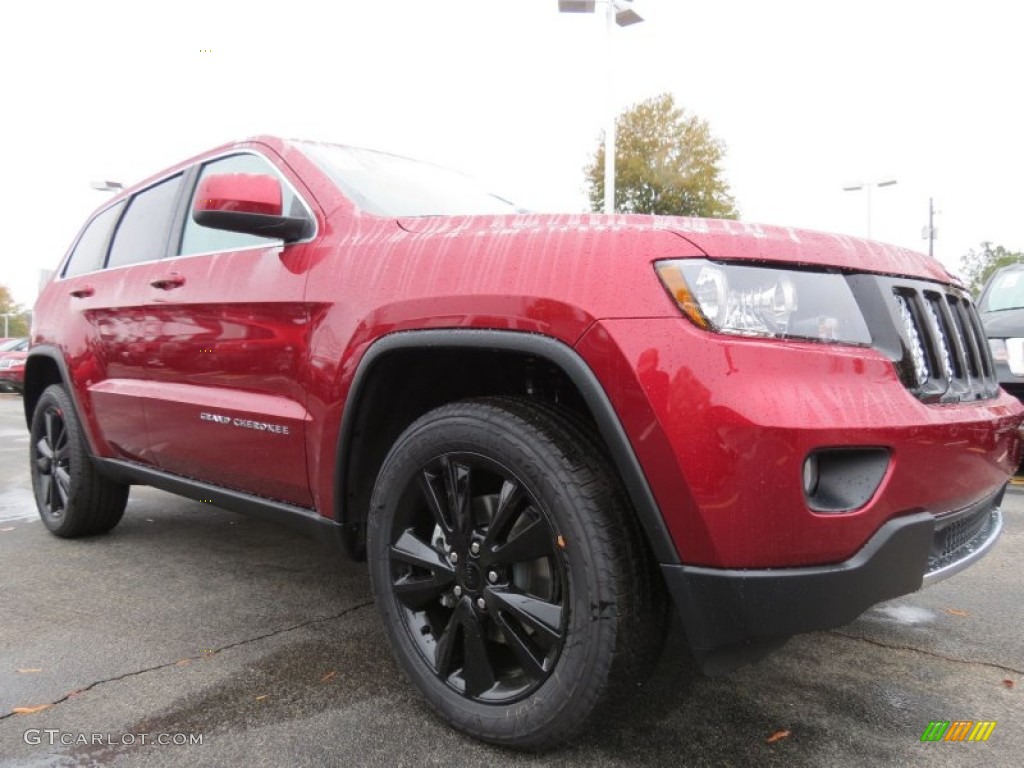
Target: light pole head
576 6
886 183
624 14
107 186
627 17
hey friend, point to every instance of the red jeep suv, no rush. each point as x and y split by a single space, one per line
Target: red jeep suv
541 431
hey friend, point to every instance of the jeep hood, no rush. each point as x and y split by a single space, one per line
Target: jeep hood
717 238
1004 324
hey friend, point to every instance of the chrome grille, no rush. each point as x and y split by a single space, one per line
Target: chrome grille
946 355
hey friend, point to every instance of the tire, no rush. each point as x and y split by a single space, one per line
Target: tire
72 497
548 609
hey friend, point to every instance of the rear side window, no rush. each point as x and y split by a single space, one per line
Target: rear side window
91 247
142 233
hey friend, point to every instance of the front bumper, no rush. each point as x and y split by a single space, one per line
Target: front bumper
733 617
722 427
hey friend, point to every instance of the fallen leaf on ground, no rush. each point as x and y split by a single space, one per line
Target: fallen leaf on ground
956 612
183 662
5 530
328 676
75 693
29 670
777 736
1008 683
261 698
30 710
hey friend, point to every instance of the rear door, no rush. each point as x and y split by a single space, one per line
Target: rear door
105 285
227 328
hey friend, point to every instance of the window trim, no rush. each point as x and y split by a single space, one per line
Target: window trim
193 182
190 177
129 200
65 262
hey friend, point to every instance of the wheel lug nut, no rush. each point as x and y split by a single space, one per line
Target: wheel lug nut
475 547
457 591
453 557
480 603
492 576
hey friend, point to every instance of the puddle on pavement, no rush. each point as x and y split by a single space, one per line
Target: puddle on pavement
17 504
904 614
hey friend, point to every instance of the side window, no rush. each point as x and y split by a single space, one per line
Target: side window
200 239
142 233
91 247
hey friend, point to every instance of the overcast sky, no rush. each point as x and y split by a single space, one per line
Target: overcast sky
807 96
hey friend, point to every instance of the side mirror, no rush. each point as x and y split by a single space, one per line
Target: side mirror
248 203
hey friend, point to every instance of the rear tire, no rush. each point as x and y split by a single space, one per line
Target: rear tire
505 565
72 497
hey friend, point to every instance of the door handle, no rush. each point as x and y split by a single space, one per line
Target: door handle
173 280
83 292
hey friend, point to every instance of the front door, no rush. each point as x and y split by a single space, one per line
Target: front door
227 338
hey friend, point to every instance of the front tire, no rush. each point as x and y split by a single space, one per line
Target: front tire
504 564
72 497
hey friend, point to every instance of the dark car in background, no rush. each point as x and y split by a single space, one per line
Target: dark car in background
1001 306
13 353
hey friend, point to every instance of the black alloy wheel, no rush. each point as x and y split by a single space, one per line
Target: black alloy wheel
73 499
479 578
511 577
53 463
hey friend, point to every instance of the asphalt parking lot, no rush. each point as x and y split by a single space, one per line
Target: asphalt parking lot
188 621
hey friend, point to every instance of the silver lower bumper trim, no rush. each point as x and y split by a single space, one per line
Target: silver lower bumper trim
972 550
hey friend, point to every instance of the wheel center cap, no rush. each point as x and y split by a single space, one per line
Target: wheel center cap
471 577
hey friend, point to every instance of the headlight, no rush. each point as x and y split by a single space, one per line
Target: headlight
765 301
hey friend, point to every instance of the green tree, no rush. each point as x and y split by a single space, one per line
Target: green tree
666 162
976 266
18 322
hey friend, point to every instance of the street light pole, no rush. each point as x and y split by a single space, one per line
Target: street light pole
617 13
609 133
867 187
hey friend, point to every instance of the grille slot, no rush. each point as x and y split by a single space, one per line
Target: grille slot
946 355
963 536
957 536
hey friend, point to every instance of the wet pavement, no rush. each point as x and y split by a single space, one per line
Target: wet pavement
190 622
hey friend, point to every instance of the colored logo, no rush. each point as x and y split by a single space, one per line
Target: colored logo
958 730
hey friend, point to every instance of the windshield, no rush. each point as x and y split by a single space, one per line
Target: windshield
389 185
1006 291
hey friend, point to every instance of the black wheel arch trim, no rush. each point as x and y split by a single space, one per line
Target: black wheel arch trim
555 352
55 355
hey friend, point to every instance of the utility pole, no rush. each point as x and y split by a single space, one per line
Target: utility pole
929 233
